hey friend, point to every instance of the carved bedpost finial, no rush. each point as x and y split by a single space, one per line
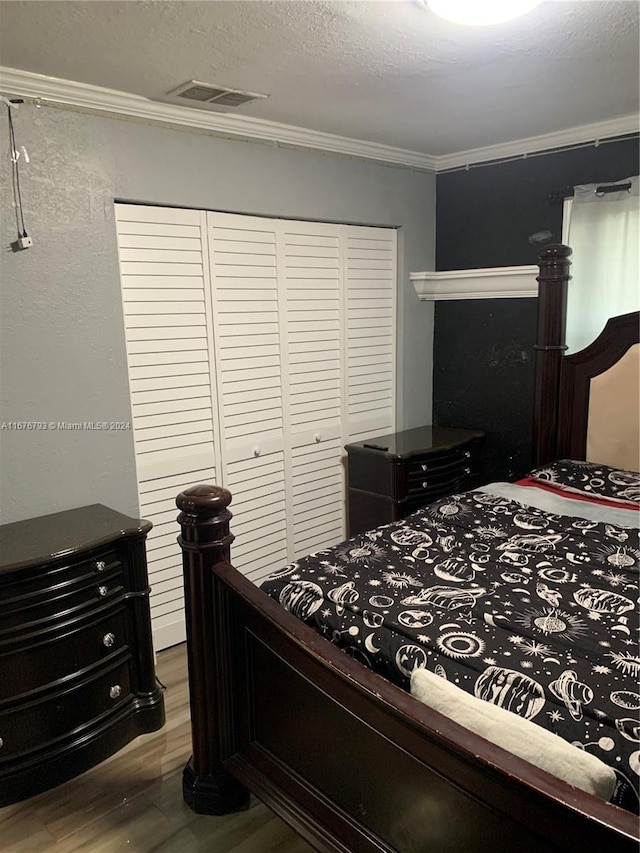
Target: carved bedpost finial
202 498
554 262
204 521
552 316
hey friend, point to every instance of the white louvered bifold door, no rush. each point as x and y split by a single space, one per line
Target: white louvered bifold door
370 283
246 317
311 287
167 318
256 349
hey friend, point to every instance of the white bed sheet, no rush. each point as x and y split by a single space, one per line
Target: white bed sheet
559 505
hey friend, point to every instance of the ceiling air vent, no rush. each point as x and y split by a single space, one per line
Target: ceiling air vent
209 95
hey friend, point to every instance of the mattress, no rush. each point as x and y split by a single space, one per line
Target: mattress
523 600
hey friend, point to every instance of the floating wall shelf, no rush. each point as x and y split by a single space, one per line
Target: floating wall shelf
486 283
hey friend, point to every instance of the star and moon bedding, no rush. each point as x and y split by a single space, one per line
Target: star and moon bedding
533 608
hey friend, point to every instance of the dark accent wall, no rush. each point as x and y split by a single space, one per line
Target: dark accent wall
483 349
483 377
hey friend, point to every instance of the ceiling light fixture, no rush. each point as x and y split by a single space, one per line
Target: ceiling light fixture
481 12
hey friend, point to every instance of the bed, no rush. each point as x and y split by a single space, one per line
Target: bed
349 758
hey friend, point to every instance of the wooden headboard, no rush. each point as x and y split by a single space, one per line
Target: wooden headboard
587 405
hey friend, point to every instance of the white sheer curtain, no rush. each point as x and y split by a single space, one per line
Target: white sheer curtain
603 229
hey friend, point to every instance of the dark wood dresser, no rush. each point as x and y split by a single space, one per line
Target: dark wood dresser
391 476
77 678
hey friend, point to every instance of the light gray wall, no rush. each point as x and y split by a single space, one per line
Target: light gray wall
62 335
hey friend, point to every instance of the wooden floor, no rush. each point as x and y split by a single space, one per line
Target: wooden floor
133 801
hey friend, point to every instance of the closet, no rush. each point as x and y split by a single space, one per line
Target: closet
256 349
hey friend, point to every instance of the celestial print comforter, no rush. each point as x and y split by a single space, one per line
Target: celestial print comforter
534 612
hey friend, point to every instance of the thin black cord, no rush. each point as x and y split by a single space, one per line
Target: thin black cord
13 175
16 177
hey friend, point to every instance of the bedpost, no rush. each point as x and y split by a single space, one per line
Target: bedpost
552 314
205 540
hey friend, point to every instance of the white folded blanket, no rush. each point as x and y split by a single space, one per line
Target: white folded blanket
515 734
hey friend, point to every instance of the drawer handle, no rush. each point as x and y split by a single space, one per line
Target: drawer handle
424 467
108 640
318 437
467 470
467 454
115 691
256 452
424 484
1 743
100 565
102 591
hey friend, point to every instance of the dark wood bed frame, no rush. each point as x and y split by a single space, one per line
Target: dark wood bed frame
350 761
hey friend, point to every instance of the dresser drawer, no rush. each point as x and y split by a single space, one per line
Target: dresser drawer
422 498
60 655
30 726
437 462
34 584
419 482
34 612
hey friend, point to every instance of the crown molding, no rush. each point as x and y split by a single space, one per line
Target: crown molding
579 135
97 99
84 96
486 283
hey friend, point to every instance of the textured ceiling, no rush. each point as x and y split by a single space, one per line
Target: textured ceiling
385 71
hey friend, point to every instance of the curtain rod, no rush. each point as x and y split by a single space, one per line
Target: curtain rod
568 192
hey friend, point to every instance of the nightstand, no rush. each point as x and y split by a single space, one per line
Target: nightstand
77 678
391 476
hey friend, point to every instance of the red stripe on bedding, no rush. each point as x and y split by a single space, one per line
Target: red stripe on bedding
574 496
